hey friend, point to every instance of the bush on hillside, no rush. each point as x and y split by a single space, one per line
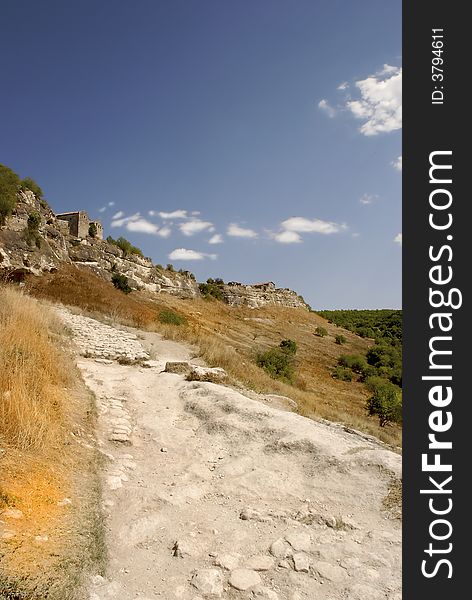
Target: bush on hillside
340 339
9 186
278 362
30 184
169 317
92 231
385 402
342 373
321 332
126 246
211 289
121 282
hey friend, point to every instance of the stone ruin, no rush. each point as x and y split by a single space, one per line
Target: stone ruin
79 224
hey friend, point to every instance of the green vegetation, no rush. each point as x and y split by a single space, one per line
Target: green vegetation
30 184
169 317
170 268
92 230
342 374
126 246
321 332
9 186
121 282
381 367
279 361
340 339
376 324
385 402
212 288
31 233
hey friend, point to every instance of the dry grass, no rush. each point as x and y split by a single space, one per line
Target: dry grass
231 338
46 415
33 374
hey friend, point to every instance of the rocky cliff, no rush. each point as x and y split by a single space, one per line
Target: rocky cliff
34 241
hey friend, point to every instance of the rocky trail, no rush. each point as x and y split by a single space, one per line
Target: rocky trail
211 494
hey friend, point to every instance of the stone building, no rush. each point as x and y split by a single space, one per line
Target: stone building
79 224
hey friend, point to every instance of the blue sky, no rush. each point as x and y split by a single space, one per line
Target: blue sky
270 128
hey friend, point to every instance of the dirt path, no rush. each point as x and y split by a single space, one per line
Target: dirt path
209 494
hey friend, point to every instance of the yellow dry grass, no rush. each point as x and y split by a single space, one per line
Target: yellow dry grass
42 403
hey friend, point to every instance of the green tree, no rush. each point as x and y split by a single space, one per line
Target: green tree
385 402
92 230
321 332
9 186
279 362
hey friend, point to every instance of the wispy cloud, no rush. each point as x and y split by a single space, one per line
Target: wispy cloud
234 230
216 239
343 86
142 226
175 214
368 198
326 107
184 254
397 163
303 225
118 215
103 208
380 102
195 226
398 239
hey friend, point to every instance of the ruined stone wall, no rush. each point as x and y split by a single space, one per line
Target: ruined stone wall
256 296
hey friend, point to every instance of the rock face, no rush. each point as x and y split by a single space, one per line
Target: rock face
261 294
51 243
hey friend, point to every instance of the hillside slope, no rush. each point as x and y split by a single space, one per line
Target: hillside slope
231 337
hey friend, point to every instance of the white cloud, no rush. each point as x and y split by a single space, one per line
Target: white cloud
142 226
303 225
398 239
195 226
122 220
184 254
234 230
111 204
343 86
216 239
102 209
165 231
397 163
380 104
368 198
176 214
287 237
118 215
327 108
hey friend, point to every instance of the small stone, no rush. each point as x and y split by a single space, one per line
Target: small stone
209 582
182 368
119 437
281 549
228 561
12 513
299 541
163 449
250 514
64 502
212 375
260 563
331 572
244 579
41 538
301 562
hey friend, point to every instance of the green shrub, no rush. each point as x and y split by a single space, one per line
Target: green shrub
121 282
92 231
278 362
211 290
356 362
30 184
34 221
9 186
171 318
385 402
170 268
126 246
321 332
342 373
340 339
